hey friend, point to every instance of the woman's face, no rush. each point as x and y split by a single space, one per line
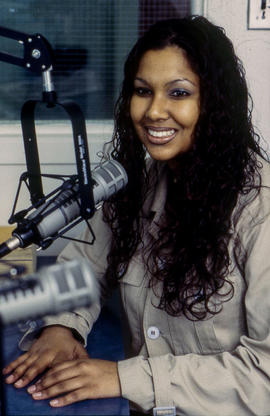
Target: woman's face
165 104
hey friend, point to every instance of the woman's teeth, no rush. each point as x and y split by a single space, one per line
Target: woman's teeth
163 133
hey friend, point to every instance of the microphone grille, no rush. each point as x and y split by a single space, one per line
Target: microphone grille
61 281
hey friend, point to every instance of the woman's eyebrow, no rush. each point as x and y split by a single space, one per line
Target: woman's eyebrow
169 82
141 80
181 80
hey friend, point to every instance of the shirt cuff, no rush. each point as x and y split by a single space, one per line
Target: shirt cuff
160 367
79 326
136 382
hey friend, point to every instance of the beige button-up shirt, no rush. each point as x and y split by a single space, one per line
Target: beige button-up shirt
218 366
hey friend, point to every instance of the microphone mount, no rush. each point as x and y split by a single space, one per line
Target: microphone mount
28 233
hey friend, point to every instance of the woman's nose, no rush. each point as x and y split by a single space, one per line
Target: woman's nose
157 109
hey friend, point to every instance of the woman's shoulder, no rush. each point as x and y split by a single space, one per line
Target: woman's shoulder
254 205
264 170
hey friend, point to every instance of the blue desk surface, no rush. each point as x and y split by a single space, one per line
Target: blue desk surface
104 342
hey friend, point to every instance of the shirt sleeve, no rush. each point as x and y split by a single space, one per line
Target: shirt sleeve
81 320
227 383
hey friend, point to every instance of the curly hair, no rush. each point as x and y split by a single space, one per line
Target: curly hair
203 190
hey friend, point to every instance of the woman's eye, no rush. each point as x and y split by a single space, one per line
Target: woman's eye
179 93
142 92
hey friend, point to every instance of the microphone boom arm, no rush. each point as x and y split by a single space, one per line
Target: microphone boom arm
38 57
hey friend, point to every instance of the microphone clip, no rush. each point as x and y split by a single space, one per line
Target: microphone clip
26 229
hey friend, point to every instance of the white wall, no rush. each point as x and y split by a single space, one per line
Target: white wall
253 48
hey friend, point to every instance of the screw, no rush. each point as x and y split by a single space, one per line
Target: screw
13 272
36 53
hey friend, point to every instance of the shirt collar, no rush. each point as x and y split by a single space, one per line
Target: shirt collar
155 201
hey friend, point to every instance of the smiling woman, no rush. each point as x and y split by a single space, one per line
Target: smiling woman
187 242
90 40
165 104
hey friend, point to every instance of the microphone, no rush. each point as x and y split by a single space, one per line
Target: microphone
58 288
62 210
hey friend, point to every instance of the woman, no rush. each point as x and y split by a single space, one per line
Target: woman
186 241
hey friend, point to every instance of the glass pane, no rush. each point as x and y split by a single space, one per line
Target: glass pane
90 38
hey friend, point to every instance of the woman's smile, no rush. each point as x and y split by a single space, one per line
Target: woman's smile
160 135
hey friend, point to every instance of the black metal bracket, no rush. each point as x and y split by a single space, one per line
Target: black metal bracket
37 56
81 154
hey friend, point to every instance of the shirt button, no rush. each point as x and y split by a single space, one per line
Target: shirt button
153 332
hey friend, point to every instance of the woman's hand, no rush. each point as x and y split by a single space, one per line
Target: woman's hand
55 344
78 380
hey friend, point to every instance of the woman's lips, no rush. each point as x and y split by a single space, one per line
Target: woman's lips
160 135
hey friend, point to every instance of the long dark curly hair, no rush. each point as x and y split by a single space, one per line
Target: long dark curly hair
191 255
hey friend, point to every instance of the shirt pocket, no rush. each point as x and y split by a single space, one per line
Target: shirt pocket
133 293
197 337
206 335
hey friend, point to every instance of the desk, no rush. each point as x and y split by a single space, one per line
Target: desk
104 342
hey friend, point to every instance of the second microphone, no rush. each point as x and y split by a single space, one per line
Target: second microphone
55 214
